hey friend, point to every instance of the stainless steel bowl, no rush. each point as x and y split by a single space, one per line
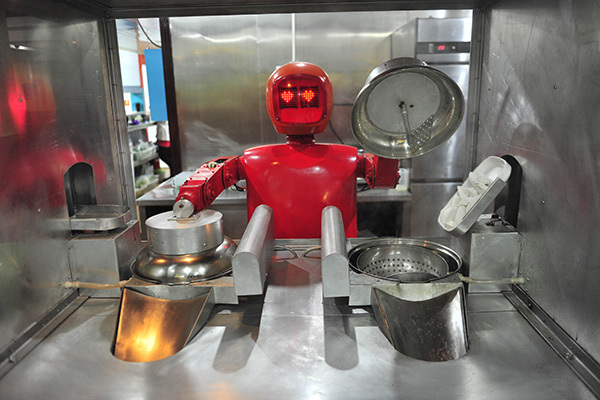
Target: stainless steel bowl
404 260
186 268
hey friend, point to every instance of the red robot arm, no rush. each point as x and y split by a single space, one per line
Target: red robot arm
379 172
204 185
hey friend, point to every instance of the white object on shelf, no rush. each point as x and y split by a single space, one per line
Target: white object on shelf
144 151
472 197
402 185
180 179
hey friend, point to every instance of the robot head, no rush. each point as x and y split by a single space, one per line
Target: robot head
299 99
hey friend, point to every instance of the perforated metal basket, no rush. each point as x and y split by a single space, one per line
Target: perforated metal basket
404 260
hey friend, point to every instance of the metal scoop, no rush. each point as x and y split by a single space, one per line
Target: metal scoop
417 138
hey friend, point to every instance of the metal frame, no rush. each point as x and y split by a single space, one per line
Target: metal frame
146 9
167 53
117 117
477 41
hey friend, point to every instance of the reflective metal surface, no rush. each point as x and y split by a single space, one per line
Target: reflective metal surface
493 252
451 160
424 321
539 97
54 112
428 200
334 254
185 268
402 263
151 328
404 260
314 347
444 30
170 235
403 90
238 53
252 259
100 217
104 257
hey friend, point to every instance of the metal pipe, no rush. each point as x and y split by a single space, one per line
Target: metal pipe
293 37
519 280
91 285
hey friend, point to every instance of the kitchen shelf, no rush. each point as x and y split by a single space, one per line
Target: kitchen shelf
133 128
133 114
137 163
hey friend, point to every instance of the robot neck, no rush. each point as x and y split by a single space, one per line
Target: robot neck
300 140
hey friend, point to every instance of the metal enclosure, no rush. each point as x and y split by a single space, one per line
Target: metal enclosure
55 111
491 252
535 94
104 257
539 99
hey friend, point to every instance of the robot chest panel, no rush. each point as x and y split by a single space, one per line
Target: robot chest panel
315 172
298 184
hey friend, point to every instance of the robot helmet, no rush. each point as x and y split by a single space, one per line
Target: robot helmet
299 99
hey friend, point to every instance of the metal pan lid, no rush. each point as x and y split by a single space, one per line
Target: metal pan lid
406 109
170 235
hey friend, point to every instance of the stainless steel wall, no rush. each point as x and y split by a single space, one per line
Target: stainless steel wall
540 96
221 66
53 113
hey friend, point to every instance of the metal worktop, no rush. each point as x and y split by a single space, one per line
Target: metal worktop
163 195
232 204
293 344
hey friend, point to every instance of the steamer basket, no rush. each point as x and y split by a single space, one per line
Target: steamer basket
404 260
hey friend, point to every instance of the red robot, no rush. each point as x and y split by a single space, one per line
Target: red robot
299 178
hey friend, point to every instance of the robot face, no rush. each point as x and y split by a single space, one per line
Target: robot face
299 99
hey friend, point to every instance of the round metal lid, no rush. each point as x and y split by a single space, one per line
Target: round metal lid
170 235
187 268
406 109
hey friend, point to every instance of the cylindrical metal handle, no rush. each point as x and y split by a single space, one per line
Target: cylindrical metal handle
334 255
252 259
333 239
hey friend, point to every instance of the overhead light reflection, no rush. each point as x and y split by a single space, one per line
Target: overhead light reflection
21 47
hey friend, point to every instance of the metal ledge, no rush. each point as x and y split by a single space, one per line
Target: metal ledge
564 345
21 346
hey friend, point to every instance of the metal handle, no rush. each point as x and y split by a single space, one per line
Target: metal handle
334 255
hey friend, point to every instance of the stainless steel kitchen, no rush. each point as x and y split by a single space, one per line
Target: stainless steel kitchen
305 200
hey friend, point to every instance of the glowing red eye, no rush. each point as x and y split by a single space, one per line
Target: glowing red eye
308 95
299 100
287 96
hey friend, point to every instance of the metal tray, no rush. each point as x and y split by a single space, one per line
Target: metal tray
99 217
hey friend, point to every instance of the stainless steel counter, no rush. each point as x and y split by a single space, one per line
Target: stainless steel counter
233 206
163 195
293 344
